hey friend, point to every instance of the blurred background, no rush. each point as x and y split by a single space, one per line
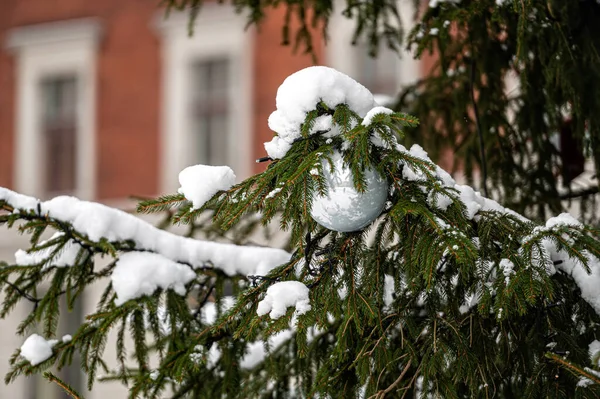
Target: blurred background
108 99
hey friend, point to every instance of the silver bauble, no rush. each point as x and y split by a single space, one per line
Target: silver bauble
343 208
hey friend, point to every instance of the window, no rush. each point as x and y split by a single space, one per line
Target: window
55 120
210 109
59 134
206 106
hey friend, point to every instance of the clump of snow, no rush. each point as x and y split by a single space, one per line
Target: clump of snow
589 283
65 257
36 349
200 182
66 338
434 31
141 273
99 221
283 295
301 92
375 111
388 290
564 219
19 201
508 269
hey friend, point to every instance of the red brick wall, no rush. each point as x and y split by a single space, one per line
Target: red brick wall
128 81
128 87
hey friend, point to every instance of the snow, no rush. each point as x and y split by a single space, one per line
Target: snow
36 349
66 338
141 273
368 119
65 257
301 92
388 290
283 295
200 182
98 221
434 31
508 269
564 219
24 202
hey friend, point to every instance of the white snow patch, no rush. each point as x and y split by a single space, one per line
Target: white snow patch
65 257
301 92
99 221
388 290
200 182
283 295
368 119
508 269
141 273
36 349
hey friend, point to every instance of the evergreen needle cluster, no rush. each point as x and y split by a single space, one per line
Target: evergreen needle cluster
434 299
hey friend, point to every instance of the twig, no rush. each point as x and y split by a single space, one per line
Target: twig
24 294
381 394
70 391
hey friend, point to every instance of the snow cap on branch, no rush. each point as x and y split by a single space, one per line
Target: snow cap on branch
301 92
200 182
98 221
141 273
283 295
36 349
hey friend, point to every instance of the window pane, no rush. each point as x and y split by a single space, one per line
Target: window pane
210 112
58 128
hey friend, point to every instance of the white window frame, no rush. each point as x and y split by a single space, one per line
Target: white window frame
219 32
343 56
46 50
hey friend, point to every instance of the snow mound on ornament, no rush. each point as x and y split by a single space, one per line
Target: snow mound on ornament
343 208
301 92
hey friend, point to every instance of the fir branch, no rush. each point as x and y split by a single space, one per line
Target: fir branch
65 387
572 368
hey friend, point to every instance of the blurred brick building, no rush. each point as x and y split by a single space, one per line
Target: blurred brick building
107 99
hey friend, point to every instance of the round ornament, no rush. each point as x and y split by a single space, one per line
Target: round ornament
343 208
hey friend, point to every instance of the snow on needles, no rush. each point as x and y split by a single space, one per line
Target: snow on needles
283 295
36 349
65 257
141 273
98 221
200 182
301 92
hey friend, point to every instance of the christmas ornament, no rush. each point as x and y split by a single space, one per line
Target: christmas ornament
343 208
